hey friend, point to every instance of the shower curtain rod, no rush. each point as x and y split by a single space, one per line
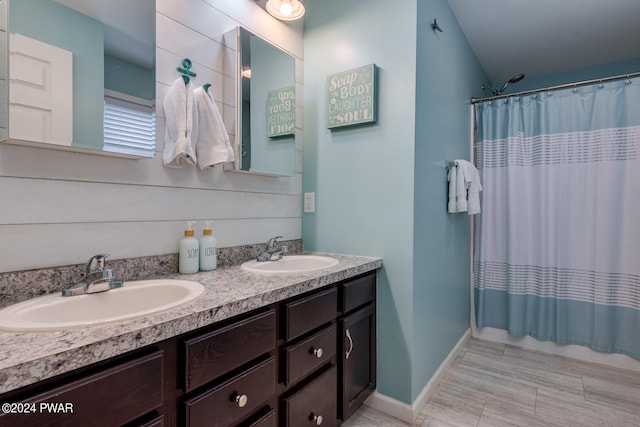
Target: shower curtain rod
562 86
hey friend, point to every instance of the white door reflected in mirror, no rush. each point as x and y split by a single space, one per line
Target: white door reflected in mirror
40 81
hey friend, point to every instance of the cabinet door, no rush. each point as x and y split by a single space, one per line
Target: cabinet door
358 364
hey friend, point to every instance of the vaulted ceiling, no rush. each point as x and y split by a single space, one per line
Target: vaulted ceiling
539 37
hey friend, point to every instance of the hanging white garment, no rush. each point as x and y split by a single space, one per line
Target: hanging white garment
212 146
471 178
181 125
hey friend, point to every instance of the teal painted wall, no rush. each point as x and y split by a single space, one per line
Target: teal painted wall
448 74
381 189
52 23
363 177
570 76
126 77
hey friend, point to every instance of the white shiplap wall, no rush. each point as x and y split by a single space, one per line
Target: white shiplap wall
58 207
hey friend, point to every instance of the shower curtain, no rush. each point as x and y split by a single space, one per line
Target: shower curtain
557 246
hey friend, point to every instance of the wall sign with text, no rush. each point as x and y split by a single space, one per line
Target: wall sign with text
352 97
281 111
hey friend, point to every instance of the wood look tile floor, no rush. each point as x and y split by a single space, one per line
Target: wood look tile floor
495 385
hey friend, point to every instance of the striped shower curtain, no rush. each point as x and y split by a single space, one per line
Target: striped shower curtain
557 246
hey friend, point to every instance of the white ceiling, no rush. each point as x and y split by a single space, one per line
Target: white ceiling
538 37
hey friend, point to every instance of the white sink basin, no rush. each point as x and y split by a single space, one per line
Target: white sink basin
133 299
291 264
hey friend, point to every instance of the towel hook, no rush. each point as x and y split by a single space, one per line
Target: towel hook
435 26
184 70
206 87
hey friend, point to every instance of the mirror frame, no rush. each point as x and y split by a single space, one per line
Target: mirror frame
236 36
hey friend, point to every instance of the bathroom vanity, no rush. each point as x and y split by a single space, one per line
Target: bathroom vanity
254 350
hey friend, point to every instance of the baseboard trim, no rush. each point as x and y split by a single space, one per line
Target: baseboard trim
409 413
573 351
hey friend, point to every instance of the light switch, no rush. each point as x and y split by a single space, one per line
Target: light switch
309 202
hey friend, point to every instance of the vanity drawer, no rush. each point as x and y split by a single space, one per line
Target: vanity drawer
317 399
309 354
115 396
268 420
212 354
358 292
307 313
229 402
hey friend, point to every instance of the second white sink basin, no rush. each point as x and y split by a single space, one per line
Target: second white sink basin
133 299
291 264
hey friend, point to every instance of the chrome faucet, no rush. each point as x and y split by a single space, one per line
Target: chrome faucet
274 251
96 279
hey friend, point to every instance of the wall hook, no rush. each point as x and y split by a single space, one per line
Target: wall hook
435 26
186 73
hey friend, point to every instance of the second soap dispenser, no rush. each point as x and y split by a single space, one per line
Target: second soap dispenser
208 257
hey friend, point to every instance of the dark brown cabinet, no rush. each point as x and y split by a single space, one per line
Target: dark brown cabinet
308 360
210 355
230 373
358 359
309 354
314 404
358 343
306 313
233 400
111 397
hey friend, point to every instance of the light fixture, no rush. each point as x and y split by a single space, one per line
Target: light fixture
285 10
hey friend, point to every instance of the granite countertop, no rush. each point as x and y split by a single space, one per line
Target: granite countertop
28 357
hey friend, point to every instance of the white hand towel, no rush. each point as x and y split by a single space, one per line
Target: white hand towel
213 145
461 188
472 181
451 206
181 125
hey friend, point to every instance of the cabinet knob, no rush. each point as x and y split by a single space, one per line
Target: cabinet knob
317 352
317 419
241 400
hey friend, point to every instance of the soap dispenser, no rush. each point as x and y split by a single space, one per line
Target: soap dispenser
188 261
208 257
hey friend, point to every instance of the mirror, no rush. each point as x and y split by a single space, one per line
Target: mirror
266 107
82 75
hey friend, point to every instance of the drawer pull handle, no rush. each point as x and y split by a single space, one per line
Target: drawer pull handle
241 400
317 352
317 419
348 353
